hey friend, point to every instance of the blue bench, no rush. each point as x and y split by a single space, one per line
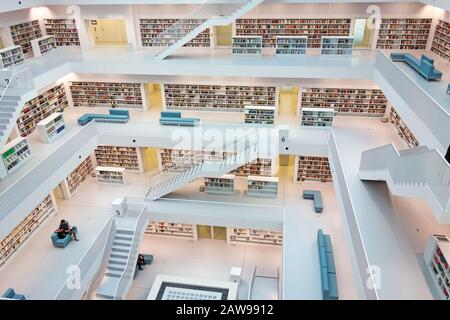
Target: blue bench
327 267
316 196
424 66
173 118
114 115
61 243
148 259
11 294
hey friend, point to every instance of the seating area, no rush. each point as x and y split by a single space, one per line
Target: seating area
11 294
316 196
115 115
61 243
327 267
148 259
424 66
173 118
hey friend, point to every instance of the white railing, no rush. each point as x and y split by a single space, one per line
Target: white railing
87 266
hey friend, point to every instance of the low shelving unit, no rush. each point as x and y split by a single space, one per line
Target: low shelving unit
254 236
110 175
291 46
258 186
337 45
23 33
15 153
43 45
317 117
172 229
11 56
313 168
221 185
51 127
247 45
437 258
260 114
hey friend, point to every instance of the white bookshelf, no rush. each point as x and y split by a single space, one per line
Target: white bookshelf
51 127
18 235
15 153
312 168
247 45
254 236
169 229
64 30
441 40
437 258
260 114
221 185
151 28
23 33
402 129
337 45
346 101
257 167
291 45
129 158
217 97
317 117
404 34
258 186
110 175
108 94
43 45
71 183
11 56
51 101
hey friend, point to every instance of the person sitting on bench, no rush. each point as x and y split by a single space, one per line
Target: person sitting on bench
140 261
65 228
447 155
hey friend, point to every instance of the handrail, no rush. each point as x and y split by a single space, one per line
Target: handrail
10 81
250 284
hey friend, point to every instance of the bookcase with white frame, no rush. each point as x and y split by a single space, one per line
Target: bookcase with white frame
260 114
254 236
317 117
402 129
51 127
404 33
43 45
258 186
220 185
110 175
11 56
14 154
247 45
23 33
71 183
64 30
170 229
441 40
11 242
258 167
437 258
337 45
291 45
312 168
130 158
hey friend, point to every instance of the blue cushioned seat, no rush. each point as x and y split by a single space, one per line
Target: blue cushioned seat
115 115
11 294
316 196
327 267
61 243
424 66
175 119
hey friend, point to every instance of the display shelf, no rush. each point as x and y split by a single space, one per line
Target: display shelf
51 101
314 29
247 45
11 56
77 177
258 167
108 94
43 45
221 185
110 175
180 160
317 117
64 30
217 97
437 258
337 45
15 154
258 186
259 114
441 40
25 228
404 34
403 130
346 102
129 158
290 45
172 229
311 168
51 127
151 28
23 33
254 236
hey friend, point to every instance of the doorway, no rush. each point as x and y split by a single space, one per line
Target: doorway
288 100
211 232
363 33
151 159
223 36
154 96
108 32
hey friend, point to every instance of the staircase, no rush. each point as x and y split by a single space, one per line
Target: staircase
123 257
176 35
420 172
205 169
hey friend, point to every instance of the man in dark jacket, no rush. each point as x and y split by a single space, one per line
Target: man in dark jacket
447 155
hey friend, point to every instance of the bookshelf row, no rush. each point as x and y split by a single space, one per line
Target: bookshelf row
290 45
259 114
108 94
254 236
129 158
406 34
257 186
221 185
337 45
64 30
172 229
312 168
14 154
11 56
437 257
37 109
10 243
51 127
43 45
346 102
77 177
317 117
441 40
217 97
23 33
247 45
110 175
402 129
258 167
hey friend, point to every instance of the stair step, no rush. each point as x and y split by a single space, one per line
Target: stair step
125 232
118 255
113 274
123 238
10 98
119 250
115 268
3 120
122 244
117 261
99 296
6 115
7 109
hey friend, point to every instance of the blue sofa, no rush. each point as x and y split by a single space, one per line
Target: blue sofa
115 115
316 196
327 267
173 118
61 243
11 294
148 259
424 66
